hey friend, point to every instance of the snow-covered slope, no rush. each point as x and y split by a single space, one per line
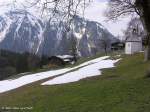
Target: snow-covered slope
21 31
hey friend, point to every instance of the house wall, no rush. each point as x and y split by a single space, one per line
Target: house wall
136 47
132 47
128 48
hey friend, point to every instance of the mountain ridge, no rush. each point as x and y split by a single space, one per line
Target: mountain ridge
21 31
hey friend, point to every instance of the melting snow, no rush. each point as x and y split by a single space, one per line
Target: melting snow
11 84
87 71
90 68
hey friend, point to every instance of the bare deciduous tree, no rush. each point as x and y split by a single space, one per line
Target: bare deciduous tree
73 48
60 9
136 24
121 8
104 43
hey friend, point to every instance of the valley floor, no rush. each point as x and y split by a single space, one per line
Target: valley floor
124 88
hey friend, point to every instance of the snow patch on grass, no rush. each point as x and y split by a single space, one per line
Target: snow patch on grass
7 85
87 71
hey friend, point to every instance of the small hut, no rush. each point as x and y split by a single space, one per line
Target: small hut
60 60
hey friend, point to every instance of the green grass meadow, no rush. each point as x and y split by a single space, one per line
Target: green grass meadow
124 88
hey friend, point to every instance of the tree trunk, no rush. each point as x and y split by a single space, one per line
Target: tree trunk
147 49
105 50
147 53
144 8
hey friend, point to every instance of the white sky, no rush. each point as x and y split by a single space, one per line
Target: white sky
95 13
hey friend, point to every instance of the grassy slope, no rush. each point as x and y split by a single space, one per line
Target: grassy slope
120 89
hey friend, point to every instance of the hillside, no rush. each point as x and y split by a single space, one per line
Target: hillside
124 88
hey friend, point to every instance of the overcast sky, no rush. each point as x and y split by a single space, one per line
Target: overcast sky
95 13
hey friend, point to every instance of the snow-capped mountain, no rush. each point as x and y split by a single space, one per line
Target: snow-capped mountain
21 31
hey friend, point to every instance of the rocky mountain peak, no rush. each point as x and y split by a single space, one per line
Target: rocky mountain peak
21 31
